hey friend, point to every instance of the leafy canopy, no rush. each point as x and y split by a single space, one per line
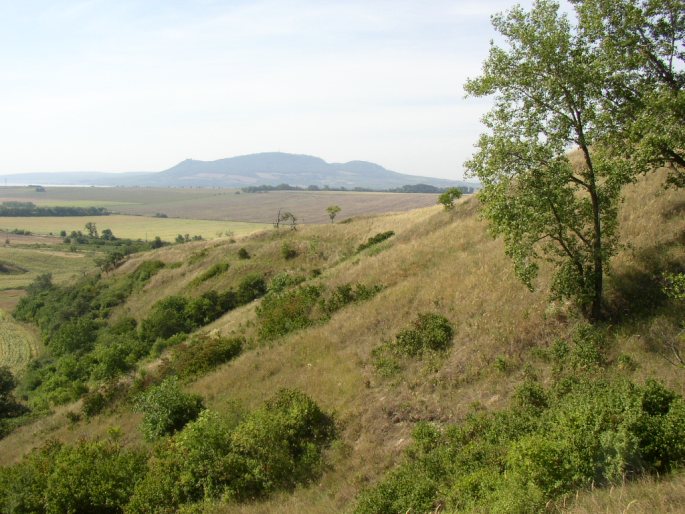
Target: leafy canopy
545 202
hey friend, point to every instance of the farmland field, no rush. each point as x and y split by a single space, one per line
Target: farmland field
63 265
221 204
18 345
132 227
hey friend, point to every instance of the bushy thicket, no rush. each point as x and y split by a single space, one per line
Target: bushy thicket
83 345
273 448
585 429
177 314
235 458
285 310
85 477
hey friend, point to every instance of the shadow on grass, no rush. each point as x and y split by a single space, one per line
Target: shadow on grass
637 293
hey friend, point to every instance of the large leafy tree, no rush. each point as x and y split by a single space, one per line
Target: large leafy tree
549 187
642 49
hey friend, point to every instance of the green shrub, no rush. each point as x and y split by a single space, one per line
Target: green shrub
288 251
590 432
85 477
203 353
146 271
250 288
212 271
166 409
187 467
276 447
283 281
280 314
430 332
378 238
167 318
73 336
588 350
347 293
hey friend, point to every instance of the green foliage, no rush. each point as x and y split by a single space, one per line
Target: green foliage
282 313
549 96
288 251
167 317
283 281
86 477
250 288
333 211
639 45
674 285
203 353
430 332
448 197
345 294
166 409
274 448
212 271
549 443
9 407
145 271
374 240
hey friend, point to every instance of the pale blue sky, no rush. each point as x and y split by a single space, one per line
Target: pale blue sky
122 85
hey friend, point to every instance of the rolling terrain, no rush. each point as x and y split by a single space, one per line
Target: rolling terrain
436 261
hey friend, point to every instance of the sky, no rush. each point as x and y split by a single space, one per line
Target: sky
122 85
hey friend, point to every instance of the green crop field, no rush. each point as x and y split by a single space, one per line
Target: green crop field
132 227
18 345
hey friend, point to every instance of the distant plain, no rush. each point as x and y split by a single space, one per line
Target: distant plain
219 204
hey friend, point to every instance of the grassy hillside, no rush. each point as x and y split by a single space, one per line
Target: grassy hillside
438 262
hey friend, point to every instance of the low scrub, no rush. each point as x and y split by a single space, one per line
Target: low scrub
232 458
166 409
429 333
374 240
202 354
90 476
211 272
274 448
551 442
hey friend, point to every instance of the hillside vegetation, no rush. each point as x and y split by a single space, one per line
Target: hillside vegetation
424 330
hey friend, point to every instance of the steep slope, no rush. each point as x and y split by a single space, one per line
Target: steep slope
437 261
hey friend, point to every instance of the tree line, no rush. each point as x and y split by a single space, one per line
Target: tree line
29 209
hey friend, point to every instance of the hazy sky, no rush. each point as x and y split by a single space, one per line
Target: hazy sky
121 85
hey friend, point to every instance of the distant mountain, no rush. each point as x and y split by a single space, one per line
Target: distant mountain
248 170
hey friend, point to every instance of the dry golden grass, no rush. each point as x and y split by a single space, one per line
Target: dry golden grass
645 496
438 261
